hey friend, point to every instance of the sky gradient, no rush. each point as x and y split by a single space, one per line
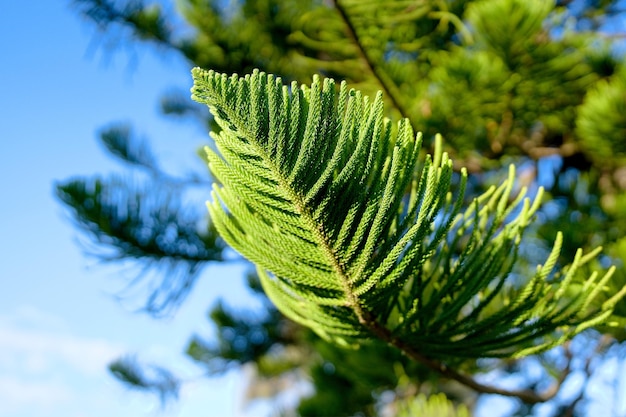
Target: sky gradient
60 323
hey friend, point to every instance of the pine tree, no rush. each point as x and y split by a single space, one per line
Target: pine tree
440 275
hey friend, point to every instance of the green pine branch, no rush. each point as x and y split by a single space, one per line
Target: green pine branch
146 377
145 223
355 236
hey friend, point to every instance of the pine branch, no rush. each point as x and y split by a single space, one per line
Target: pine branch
148 378
313 191
131 222
120 142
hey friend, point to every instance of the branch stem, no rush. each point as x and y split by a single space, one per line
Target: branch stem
387 86
527 396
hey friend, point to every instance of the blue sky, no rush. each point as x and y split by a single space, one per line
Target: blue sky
60 324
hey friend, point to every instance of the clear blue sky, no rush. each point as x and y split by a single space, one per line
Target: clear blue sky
59 322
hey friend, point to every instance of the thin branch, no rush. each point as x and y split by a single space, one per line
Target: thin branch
528 396
387 86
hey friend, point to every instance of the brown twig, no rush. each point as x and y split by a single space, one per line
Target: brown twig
527 395
387 86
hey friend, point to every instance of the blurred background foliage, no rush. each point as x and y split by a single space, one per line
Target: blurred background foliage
541 84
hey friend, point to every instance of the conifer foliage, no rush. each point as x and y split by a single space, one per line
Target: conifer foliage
357 233
313 189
